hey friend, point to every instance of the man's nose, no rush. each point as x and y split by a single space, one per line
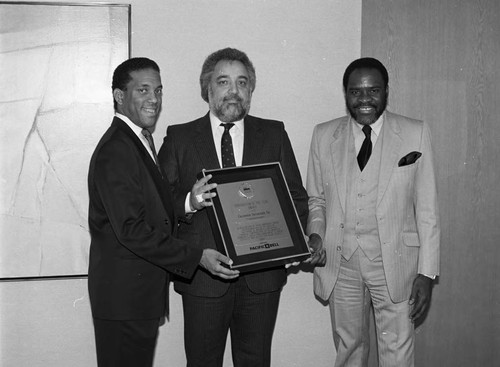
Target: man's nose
365 96
153 97
233 88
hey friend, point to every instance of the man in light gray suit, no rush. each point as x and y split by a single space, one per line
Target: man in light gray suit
373 220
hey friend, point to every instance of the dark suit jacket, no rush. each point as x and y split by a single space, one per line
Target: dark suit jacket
186 150
132 222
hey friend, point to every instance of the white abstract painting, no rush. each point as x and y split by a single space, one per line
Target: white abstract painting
56 65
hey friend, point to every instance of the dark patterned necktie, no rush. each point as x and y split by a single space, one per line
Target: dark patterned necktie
151 143
227 152
366 148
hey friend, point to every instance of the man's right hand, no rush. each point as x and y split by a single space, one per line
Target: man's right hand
200 193
318 252
212 259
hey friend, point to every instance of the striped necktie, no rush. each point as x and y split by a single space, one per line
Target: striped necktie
151 143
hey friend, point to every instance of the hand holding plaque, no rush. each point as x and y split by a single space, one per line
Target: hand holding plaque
212 260
200 193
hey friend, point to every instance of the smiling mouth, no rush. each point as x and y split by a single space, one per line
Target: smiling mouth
150 111
366 109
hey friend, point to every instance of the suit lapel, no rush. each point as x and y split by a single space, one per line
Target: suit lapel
204 143
339 149
159 182
391 143
253 141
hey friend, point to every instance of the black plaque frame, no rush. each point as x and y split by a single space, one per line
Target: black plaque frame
219 222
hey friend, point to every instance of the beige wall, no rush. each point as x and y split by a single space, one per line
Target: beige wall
300 50
443 59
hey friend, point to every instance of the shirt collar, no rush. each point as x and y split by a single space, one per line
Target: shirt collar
136 129
215 122
376 126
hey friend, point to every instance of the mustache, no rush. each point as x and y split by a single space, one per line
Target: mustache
233 97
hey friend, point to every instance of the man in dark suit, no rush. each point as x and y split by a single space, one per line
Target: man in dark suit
248 305
132 222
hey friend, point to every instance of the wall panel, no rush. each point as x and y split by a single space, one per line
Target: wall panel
443 60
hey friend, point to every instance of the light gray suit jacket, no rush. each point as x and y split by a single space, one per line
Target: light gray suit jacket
407 206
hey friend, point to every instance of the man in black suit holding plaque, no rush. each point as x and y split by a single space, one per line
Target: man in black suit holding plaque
133 224
227 136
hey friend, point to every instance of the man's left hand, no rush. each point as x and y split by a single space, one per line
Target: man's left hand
420 297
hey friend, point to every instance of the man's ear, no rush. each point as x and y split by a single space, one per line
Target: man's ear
118 96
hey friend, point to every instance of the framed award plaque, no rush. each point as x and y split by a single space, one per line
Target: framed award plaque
253 217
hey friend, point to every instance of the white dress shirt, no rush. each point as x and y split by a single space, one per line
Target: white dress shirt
236 133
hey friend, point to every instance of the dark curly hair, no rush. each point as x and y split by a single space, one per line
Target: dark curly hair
228 54
365 63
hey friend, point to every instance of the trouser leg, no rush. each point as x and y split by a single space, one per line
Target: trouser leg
350 314
252 326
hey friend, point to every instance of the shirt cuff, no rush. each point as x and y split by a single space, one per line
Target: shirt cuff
429 276
187 205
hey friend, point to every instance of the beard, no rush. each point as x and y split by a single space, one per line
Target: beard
230 109
367 119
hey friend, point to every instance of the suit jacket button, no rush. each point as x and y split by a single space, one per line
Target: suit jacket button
339 248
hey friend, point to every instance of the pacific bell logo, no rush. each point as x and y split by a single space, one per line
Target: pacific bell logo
265 246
